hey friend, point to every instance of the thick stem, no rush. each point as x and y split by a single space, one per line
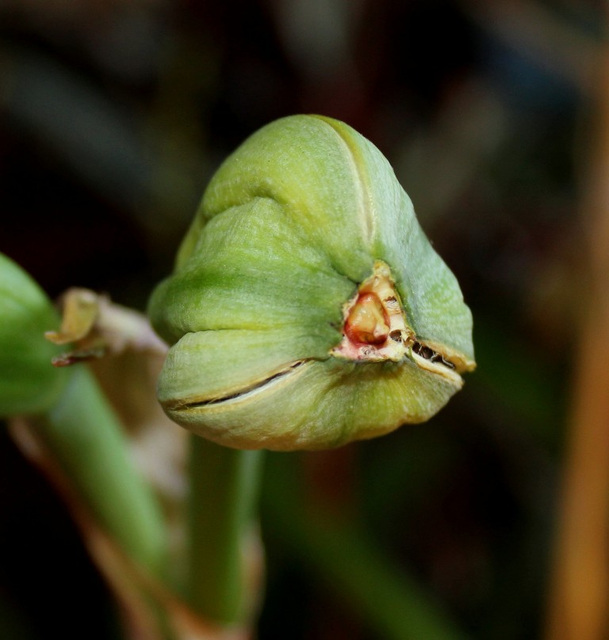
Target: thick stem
84 436
223 489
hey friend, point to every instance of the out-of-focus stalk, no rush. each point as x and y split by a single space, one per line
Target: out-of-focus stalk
83 435
74 422
579 603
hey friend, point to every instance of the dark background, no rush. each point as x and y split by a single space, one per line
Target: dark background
113 116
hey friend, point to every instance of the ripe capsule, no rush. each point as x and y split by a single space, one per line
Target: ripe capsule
298 294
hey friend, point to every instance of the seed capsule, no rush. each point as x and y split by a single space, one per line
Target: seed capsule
303 297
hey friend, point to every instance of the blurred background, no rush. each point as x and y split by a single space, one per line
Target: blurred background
113 116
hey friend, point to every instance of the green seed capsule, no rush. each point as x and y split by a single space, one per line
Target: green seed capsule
28 381
307 307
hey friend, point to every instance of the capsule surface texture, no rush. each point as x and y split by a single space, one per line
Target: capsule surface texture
307 308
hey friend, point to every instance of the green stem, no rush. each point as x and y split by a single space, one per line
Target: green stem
223 490
86 439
